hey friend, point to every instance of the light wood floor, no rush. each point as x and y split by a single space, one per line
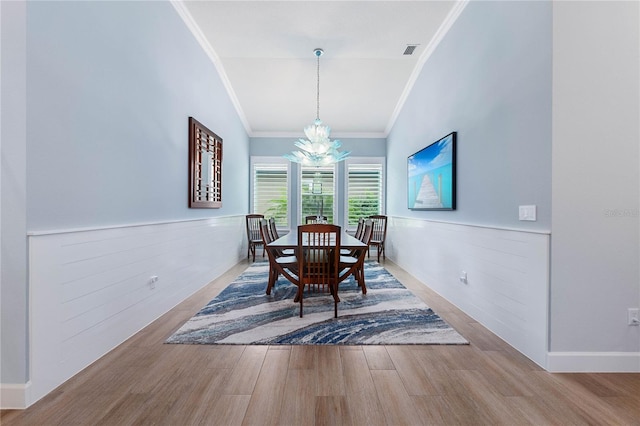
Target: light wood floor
144 382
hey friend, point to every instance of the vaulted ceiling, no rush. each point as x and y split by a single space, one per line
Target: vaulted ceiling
264 51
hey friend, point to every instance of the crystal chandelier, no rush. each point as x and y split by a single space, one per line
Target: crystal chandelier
317 150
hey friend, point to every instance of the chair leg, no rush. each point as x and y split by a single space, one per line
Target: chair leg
378 251
273 277
299 297
300 306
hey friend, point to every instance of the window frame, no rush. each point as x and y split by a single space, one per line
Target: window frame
259 159
364 160
335 194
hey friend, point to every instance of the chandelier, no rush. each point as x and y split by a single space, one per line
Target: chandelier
317 150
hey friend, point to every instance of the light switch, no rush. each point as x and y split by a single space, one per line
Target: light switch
527 213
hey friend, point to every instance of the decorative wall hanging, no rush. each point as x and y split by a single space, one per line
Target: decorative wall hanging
431 176
205 167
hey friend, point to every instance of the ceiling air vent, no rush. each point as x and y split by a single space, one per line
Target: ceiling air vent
410 48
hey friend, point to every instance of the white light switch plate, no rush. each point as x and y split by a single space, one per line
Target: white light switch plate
527 213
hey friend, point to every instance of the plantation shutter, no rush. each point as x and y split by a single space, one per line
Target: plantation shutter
317 191
270 191
364 191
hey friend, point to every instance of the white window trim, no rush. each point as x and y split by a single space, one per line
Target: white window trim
275 160
363 160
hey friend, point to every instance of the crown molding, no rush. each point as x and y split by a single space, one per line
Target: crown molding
337 135
191 24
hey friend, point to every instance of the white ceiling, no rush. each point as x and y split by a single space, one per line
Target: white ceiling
264 51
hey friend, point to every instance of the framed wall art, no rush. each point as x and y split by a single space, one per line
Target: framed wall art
205 167
431 176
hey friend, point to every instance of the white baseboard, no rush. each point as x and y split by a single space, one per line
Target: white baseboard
602 362
14 396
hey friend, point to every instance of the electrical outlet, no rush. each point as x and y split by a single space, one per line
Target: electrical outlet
152 281
527 213
633 316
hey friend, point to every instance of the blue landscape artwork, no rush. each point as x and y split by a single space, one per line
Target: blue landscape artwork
431 176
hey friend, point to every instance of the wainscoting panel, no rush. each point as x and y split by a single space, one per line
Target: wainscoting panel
90 290
507 287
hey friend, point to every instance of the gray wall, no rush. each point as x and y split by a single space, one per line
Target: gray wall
278 146
99 133
595 247
111 86
545 99
490 81
13 218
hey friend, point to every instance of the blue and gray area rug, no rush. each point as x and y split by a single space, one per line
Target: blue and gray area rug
388 314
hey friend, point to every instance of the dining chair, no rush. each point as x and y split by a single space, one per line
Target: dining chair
253 234
273 228
357 235
279 262
360 228
315 219
355 259
378 235
318 256
274 236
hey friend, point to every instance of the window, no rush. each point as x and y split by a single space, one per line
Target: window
270 188
317 192
364 188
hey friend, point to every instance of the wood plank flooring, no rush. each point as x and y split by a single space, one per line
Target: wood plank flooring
144 382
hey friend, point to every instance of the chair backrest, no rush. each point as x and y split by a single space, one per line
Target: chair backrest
253 227
367 231
265 232
267 237
315 219
379 232
273 228
360 228
318 254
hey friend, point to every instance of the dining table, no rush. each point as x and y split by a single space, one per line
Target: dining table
357 249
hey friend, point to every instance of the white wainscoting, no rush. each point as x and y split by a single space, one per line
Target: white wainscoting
90 289
507 288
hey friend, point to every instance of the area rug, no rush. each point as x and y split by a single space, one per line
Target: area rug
388 314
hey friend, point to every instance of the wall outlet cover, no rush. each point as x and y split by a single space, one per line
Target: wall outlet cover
527 213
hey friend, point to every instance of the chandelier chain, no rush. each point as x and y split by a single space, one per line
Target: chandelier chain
318 90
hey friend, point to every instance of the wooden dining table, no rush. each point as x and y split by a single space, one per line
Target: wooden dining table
349 242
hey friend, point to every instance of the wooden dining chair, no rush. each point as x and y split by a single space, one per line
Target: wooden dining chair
360 228
315 219
318 256
378 235
254 238
357 235
274 236
355 259
273 228
279 262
